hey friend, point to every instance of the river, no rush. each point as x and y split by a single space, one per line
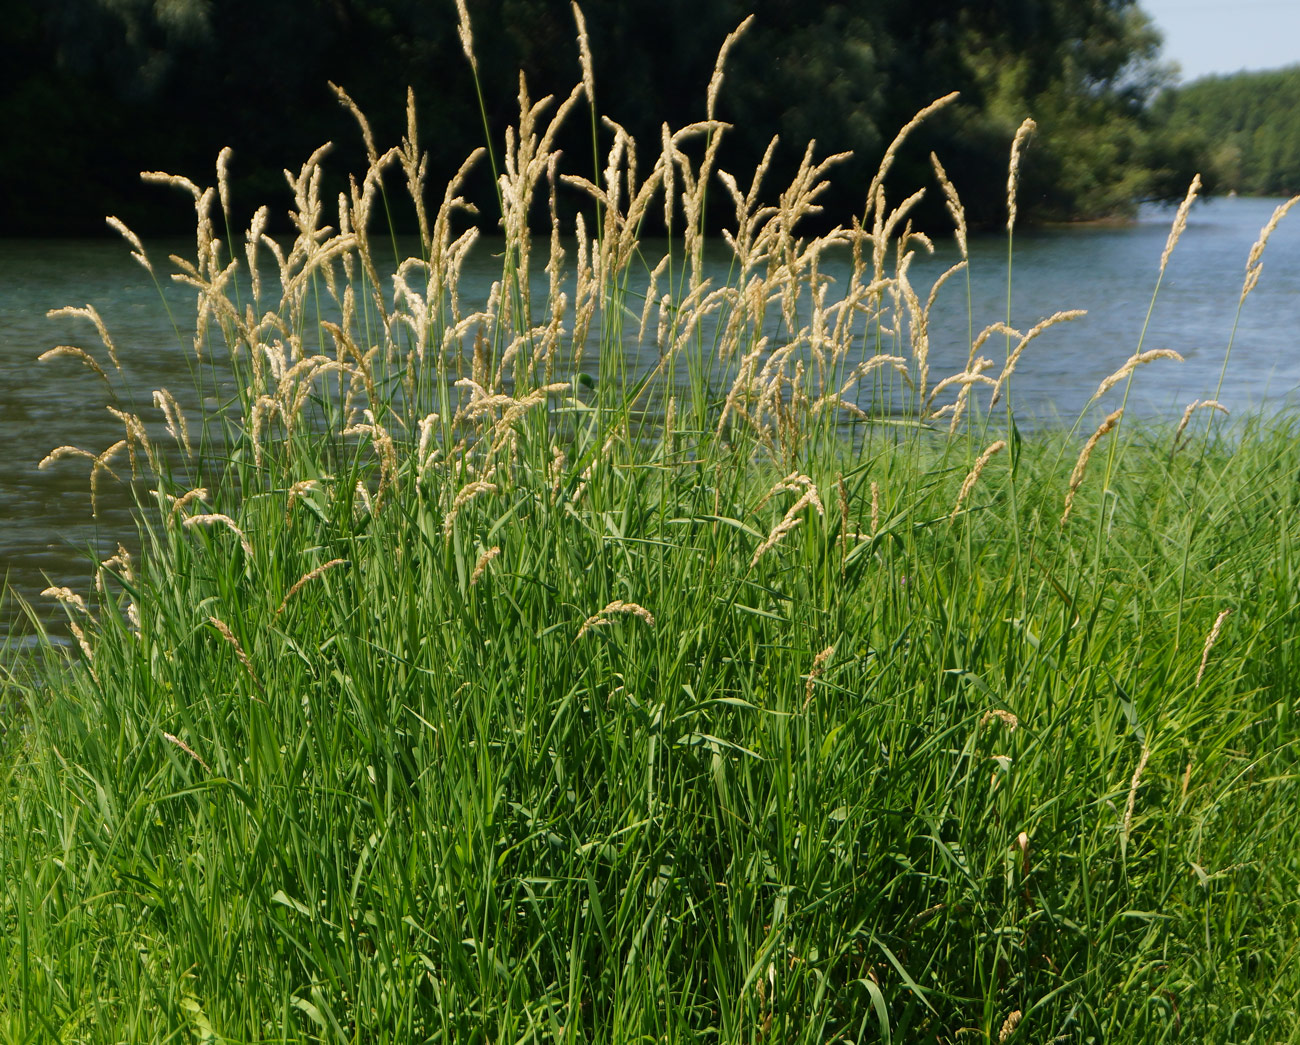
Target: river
45 519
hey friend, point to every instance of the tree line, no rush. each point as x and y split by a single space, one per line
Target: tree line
98 90
1253 119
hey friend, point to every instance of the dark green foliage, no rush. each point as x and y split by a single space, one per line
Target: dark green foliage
102 91
1253 121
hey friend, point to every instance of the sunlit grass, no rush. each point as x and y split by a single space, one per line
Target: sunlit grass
471 684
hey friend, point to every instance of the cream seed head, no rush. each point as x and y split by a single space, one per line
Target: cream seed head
217 519
67 597
1133 362
1132 793
223 178
953 202
79 354
618 606
973 476
584 55
1014 357
1006 718
137 248
223 629
814 673
1180 222
178 742
480 567
1013 171
306 579
715 81
1254 264
1194 405
1081 465
1210 640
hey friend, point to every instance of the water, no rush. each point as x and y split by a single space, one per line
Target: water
46 529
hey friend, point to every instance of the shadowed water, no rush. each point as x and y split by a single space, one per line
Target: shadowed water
47 532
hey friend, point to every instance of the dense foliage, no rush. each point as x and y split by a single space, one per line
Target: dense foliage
1253 119
100 89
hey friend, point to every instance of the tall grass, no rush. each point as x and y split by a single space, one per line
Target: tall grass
478 679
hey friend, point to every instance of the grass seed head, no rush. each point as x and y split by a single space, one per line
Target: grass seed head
1180 222
814 673
178 742
306 579
1081 465
999 715
973 477
604 617
1013 170
1254 264
68 597
480 567
1132 792
138 251
1210 640
217 519
1134 361
584 54
1194 405
953 202
223 629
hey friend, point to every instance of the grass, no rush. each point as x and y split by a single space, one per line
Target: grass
462 688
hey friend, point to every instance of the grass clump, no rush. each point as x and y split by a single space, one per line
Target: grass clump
478 679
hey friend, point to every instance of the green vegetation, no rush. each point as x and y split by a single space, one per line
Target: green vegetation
98 90
1253 119
477 681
